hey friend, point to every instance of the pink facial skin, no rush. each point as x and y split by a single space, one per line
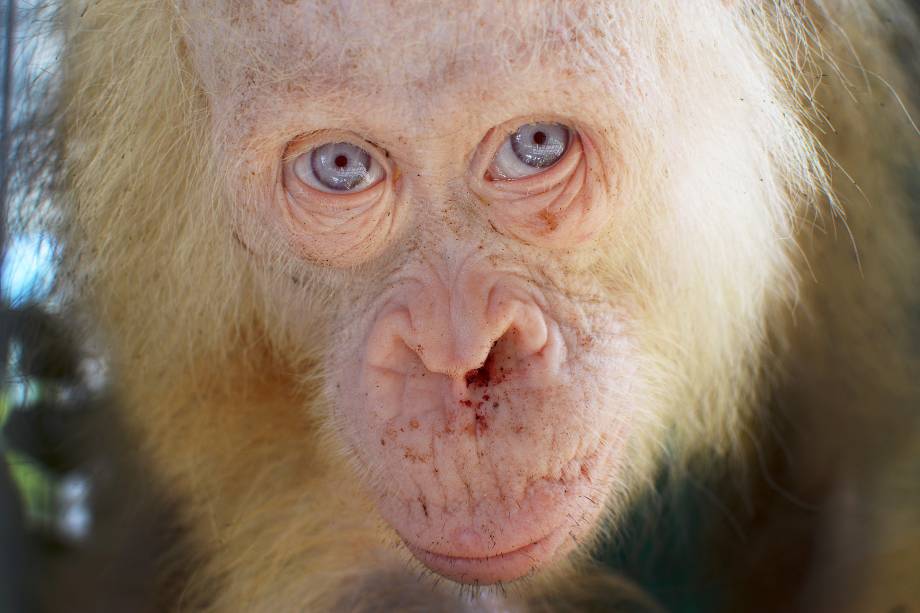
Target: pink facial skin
480 374
491 432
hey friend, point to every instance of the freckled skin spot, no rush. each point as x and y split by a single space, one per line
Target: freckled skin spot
414 456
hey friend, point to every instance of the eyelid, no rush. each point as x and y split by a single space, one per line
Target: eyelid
310 140
304 144
546 178
532 184
318 201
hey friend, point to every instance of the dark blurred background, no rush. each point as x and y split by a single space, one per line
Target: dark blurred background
49 385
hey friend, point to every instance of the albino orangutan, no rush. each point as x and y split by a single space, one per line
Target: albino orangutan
447 306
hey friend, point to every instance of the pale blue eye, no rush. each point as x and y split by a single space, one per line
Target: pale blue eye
540 145
338 167
530 150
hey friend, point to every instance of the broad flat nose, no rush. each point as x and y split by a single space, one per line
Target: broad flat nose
452 324
455 328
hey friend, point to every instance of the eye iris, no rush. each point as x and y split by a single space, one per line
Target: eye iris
340 166
540 145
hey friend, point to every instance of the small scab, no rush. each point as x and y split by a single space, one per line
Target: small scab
482 422
551 221
424 503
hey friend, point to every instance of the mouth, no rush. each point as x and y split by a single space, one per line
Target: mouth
496 568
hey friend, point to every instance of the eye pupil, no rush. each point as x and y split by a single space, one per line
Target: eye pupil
341 161
539 138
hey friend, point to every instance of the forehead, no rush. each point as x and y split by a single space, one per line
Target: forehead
373 45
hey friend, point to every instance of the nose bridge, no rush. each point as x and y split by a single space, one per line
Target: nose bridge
454 323
475 324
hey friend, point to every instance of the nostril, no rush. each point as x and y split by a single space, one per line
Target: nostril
504 357
482 376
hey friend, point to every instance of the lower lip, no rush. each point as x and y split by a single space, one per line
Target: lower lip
499 568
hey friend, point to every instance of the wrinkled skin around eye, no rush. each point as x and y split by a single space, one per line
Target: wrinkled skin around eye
337 202
560 206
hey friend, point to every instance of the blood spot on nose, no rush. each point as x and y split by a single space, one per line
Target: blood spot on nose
478 378
482 376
